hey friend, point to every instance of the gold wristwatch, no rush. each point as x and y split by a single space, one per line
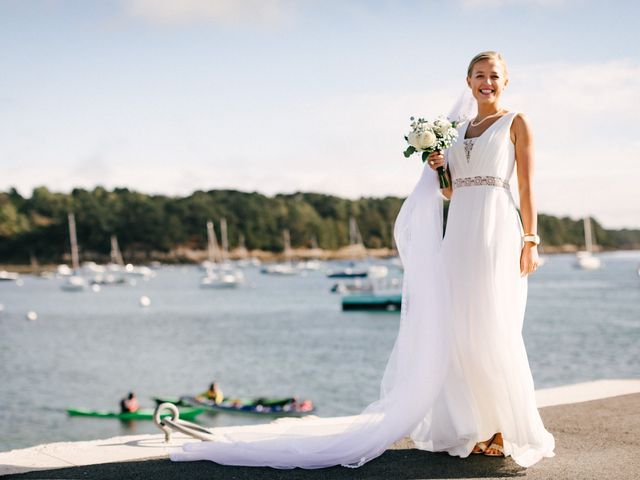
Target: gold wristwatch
531 237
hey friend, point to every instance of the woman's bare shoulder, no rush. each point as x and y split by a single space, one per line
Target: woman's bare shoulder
520 127
521 121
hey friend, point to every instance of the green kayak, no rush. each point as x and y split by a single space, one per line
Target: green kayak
142 414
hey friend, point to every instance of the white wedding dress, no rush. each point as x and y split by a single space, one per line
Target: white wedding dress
458 372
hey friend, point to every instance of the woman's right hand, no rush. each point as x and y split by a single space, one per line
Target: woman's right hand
435 160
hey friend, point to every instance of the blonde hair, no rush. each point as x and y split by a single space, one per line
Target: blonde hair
488 55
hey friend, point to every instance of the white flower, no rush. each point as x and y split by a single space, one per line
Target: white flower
412 138
428 139
442 126
426 125
421 140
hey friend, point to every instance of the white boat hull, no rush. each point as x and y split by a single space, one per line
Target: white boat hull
74 284
586 261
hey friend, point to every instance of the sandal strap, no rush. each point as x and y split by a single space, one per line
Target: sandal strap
480 447
496 446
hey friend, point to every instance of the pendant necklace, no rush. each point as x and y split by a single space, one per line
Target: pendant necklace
468 146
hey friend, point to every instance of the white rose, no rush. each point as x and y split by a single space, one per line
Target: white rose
413 140
443 126
427 139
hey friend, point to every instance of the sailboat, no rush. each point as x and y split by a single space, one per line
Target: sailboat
313 263
355 241
8 276
117 272
116 254
113 273
129 270
224 276
285 268
586 259
75 282
210 264
230 276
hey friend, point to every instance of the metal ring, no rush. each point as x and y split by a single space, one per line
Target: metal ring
175 416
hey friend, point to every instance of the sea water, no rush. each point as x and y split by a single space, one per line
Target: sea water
276 336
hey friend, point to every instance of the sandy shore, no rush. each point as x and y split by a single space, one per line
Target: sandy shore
596 425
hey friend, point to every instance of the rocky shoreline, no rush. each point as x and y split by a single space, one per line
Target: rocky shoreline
187 256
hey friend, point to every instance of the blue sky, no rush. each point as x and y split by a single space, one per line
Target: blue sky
279 96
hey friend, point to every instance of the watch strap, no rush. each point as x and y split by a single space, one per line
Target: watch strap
531 238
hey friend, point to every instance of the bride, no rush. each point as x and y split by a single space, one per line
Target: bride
458 379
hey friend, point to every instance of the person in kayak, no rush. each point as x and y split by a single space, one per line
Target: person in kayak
129 404
214 394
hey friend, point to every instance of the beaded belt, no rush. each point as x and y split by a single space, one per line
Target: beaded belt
486 180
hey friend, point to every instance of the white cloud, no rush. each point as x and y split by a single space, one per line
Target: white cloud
225 12
584 116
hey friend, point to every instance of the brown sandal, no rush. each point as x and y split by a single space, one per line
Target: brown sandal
494 446
482 446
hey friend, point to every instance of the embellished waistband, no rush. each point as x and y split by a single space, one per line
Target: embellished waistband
484 180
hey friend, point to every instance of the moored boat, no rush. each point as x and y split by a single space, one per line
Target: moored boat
349 273
75 282
287 267
8 276
276 407
219 274
586 259
389 301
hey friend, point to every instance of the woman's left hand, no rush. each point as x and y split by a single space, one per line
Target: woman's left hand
528 259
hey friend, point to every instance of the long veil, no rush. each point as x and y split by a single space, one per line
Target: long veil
413 377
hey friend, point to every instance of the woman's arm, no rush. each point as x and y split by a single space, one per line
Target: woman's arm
435 160
524 164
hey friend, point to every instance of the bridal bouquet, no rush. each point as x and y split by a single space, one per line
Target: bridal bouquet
428 137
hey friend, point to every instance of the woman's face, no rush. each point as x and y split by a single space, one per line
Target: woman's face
487 81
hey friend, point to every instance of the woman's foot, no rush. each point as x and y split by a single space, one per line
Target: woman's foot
481 446
496 446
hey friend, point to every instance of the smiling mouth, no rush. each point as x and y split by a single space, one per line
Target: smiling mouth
487 91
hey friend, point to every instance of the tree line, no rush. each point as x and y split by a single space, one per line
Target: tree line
36 226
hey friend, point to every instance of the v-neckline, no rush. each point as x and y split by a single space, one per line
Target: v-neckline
488 128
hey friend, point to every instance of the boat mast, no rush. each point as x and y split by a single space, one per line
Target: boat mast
588 235
212 244
224 238
116 255
355 238
353 231
75 260
287 244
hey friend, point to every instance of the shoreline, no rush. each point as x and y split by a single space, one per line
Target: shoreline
185 257
151 447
